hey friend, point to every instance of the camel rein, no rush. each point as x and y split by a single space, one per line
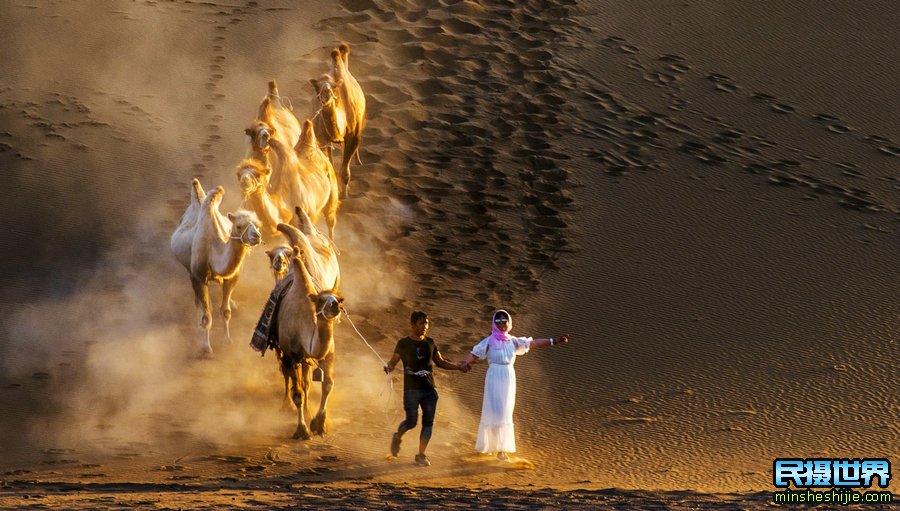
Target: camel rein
344 309
390 379
283 99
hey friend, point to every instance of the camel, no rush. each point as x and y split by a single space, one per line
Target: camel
308 178
253 177
274 120
305 323
323 260
212 247
280 260
319 254
342 112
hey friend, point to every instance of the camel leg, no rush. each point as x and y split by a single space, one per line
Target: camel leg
306 378
318 425
331 220
227 290
351 146
286 402
298 394
201 293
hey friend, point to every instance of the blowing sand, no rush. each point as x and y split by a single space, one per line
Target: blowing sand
703 195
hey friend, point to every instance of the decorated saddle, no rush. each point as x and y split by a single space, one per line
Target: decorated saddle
265 335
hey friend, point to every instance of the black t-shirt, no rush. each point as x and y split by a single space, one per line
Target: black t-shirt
416 356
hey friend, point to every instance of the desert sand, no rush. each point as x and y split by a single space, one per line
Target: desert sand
702 195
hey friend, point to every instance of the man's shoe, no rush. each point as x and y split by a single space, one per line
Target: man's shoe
422 460
395 444
502 456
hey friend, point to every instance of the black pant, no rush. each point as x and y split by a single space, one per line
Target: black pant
412 399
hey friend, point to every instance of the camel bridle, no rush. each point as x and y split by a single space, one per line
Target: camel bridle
327 95
279 263
244 233
249 173
258 138
330 303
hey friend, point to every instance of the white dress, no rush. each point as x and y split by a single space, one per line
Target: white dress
496 432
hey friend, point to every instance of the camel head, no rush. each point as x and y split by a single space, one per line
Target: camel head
245 227
327 303
326 90
260 134
253 176
280 260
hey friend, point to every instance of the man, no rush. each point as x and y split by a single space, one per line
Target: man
417 351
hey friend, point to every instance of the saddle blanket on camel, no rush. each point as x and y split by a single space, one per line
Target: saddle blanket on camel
265 333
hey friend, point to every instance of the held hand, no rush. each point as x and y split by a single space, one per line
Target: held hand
387 369
464 367
562 339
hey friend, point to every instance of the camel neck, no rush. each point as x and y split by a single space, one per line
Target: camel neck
261 155
269 213
226 261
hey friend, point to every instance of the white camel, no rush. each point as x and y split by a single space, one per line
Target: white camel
212 247
341 115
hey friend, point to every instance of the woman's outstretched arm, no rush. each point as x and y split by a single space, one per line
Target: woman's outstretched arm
550 341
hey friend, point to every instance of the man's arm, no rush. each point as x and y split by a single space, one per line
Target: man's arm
443 364
389 367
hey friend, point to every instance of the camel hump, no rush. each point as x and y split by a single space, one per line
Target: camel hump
264 108
197 192
290 232
214 196
273 88
308 135
304 224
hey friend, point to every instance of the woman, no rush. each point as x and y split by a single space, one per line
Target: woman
496 432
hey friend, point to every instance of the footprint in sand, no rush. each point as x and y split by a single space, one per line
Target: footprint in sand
782 108
834 124
722 82
884 145
762 96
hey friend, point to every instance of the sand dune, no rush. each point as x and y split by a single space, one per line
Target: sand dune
715 227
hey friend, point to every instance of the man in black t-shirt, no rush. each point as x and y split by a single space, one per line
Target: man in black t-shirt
417 353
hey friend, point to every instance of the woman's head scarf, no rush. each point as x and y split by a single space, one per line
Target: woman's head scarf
497 335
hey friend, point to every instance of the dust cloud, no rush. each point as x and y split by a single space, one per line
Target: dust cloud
100 332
